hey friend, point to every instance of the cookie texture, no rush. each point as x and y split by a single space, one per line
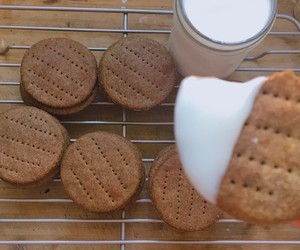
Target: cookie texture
32 143
58 111
58 75
102 172
173 197
262 183
137 73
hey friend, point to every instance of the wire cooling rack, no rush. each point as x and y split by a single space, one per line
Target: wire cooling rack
138 227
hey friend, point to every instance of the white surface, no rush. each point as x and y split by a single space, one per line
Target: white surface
228 21
209 115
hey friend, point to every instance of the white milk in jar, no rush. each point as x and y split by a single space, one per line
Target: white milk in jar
212 37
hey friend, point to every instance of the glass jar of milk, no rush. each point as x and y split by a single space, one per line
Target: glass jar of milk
212 37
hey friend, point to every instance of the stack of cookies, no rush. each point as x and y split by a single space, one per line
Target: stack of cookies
58 75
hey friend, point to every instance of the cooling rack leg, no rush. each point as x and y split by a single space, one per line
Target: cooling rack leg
123 231
124 132
123 226
125 23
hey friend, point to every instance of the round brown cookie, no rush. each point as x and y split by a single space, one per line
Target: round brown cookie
102 172
173 197
32 143
58 75
262 183
137 73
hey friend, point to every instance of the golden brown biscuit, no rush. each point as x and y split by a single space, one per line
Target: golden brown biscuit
137 73
32 144
174 199
58 75
262 183
102 172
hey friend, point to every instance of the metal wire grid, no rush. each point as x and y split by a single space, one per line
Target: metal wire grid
124 123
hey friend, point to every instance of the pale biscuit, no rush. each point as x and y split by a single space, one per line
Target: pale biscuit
262 183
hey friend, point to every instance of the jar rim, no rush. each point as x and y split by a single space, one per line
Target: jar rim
184 20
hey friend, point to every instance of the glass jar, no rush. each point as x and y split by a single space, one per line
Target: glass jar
197 54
